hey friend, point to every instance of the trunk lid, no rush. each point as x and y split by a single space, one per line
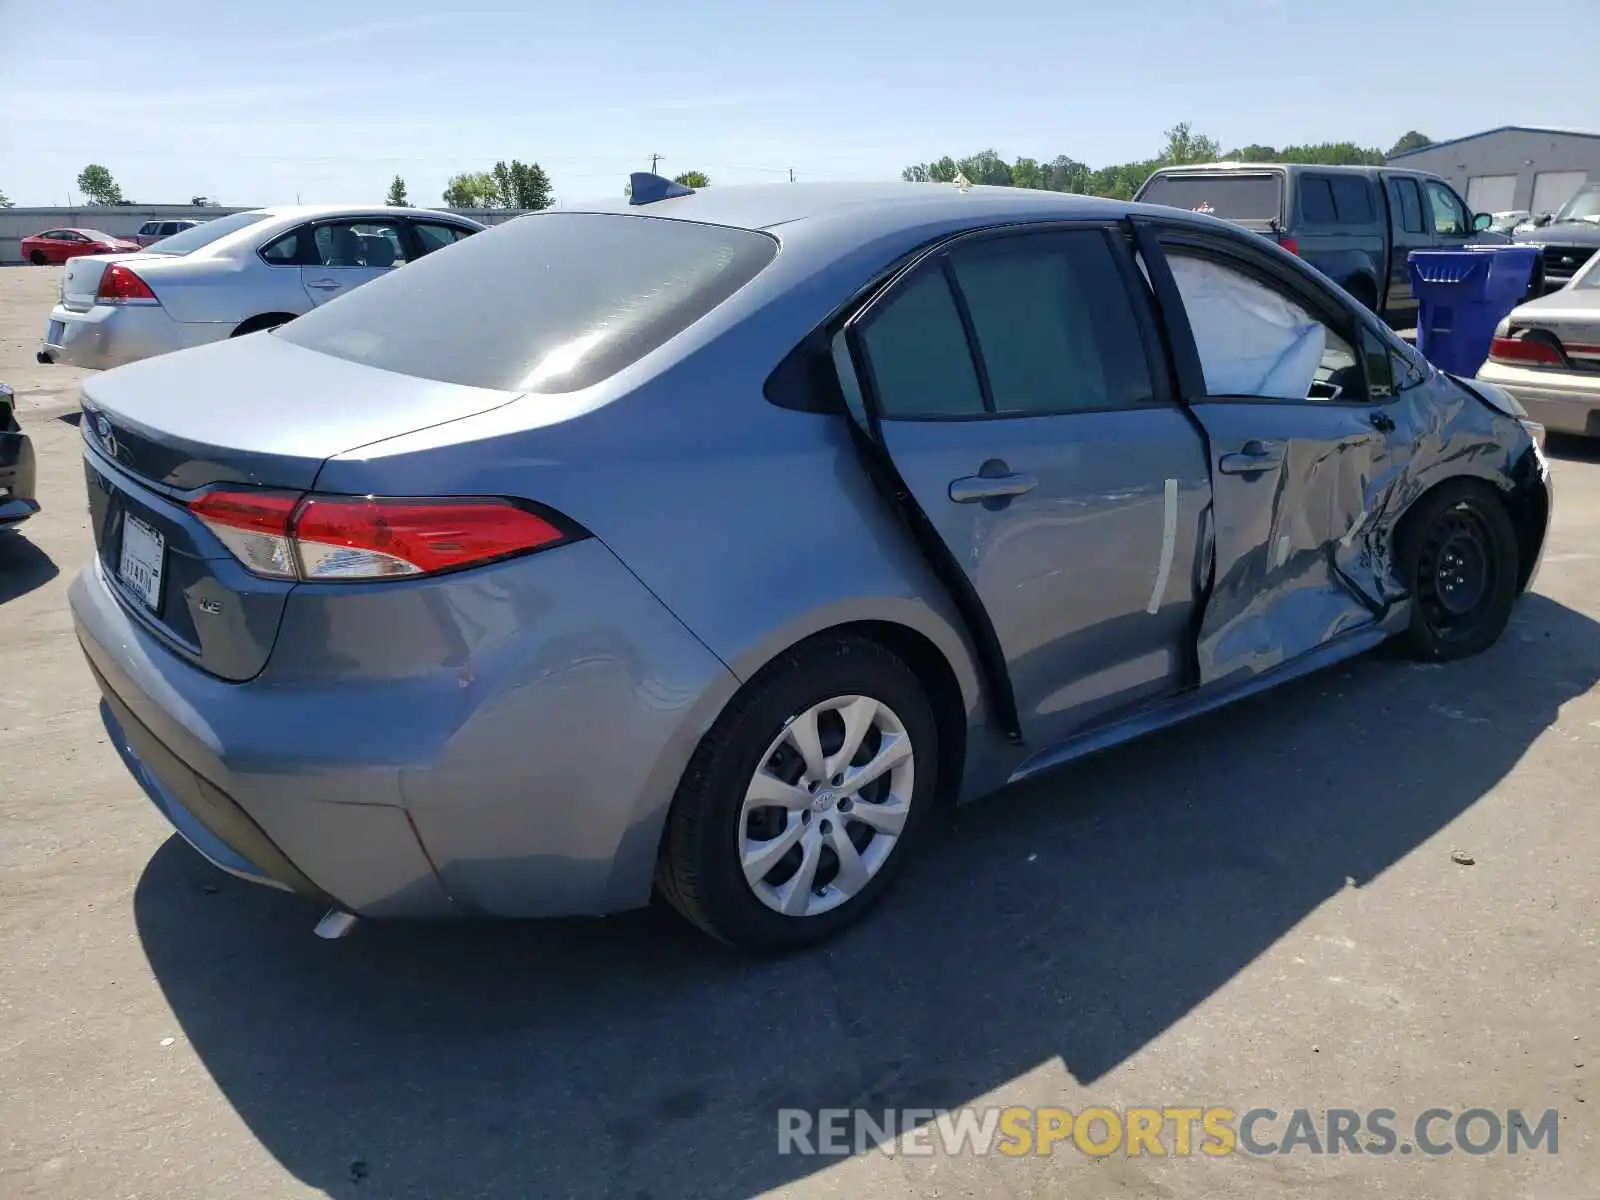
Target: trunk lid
81 279
253 411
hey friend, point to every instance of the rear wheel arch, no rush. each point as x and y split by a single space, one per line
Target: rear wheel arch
1364 289
261 321
693 871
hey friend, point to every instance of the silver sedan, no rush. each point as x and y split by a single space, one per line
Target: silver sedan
1547 355
234 275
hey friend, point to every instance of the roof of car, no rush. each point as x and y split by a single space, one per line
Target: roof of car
1337 169
303 211
766 206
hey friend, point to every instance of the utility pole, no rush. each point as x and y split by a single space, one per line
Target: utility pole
791 174
654 159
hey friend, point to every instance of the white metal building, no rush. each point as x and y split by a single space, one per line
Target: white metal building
1512 167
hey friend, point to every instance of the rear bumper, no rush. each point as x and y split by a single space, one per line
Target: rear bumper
110 335
1561 402
17 502
503 741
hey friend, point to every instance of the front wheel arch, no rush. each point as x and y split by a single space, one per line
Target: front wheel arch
1415 523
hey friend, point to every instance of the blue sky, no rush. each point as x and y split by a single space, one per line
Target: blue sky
255 104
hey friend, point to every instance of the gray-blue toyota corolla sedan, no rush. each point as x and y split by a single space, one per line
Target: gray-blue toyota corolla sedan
702 544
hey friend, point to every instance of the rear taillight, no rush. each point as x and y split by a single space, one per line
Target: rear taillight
119 285
283 535
1292 245
1525 352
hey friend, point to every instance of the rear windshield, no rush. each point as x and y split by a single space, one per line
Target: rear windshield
545 303
1232 197
205 233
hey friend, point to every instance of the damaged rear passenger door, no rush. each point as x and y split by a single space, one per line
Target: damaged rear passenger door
1299 424
1014 383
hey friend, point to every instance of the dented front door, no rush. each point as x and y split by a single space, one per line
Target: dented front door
1294 488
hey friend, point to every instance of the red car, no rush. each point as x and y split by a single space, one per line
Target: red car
58 245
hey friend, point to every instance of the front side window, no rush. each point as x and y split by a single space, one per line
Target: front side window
917 353
1256 340
358 244
150 227
1449 218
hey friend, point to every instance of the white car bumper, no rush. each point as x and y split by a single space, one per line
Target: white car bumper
109 335
1561 401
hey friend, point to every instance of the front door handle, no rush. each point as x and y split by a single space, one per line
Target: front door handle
970 489
324 284
1254 455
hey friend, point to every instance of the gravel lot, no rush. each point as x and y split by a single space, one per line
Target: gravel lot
1260 909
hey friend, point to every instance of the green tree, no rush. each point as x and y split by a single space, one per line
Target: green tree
397 193
1410 140
1185 146
5 201
693 179
942 171
472 189
521 185
97 185
986 167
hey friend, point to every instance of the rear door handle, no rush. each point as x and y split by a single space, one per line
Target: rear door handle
1383 422
972 488
324 284
1254 455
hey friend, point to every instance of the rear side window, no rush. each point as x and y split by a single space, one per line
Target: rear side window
284 251
1230 196
1352 200
546 303
917 353
1056 331
435 237
1316 201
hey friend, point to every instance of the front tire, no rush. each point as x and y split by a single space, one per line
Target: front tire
804 799
1458 552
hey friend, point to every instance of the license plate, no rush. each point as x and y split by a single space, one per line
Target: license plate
143 552
53 333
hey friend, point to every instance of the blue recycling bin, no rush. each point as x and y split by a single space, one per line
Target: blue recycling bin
1462 295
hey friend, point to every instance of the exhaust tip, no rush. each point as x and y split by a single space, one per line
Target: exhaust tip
336 923
44 357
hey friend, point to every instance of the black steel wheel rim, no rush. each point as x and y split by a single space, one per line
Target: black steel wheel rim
1456 574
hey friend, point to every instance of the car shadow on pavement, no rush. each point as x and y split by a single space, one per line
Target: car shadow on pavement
1575 449
23 566
1077 919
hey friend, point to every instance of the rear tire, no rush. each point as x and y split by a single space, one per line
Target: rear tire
1459 558
769 845
37 258
1364 293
